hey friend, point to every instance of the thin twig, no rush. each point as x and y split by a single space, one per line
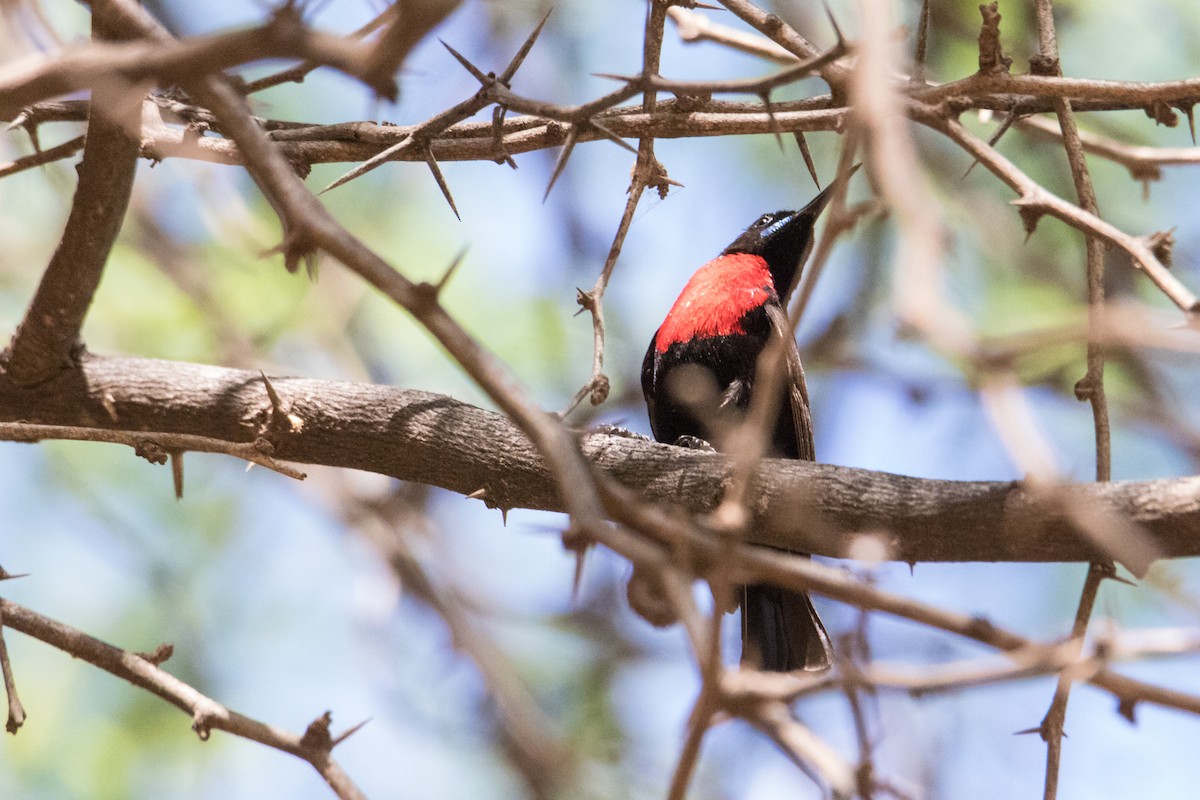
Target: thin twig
1090 387
207 714
647 172
284 36
298 73
154 446
43 157
16 712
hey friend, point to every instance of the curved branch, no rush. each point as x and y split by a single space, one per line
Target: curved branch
207 714
440 441
284 36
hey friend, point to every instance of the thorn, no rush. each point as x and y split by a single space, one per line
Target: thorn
922 43
348 733
612 76
449 273
1126 708
478 494
370 164
770 109
612 136
1028 731
837 31
504 517
808 159
1007 123
498 115
441 180
5 575
1190 112
561 162
577 580
484 80
177 472
1122 579
276 402
519 58
18 121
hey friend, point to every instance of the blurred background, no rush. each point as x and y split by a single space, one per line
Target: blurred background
273 592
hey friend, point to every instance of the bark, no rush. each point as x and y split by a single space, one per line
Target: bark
437 440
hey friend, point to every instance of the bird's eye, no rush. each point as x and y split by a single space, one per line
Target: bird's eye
763 220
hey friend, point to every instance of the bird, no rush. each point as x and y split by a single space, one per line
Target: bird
698 379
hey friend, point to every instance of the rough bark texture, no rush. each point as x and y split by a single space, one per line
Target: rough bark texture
440 441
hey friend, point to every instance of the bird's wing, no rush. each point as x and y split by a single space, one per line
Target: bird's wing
648 383
797 389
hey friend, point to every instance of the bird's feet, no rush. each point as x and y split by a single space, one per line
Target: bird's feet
694 443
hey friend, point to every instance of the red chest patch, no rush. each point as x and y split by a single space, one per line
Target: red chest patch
716 299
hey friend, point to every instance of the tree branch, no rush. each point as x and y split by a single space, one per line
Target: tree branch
440 441
284 36
42 344
207 714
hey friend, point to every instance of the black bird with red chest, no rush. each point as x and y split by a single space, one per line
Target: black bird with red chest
698 376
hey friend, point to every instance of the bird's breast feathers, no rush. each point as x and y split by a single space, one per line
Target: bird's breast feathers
715 300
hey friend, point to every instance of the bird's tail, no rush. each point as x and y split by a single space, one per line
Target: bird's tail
781 631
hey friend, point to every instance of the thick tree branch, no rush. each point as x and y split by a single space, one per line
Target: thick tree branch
42 345
440 441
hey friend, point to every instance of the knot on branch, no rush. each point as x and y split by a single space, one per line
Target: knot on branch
992 60
600 387
1031 211
687 102
1041 64
1161 112
152 452
653 175
296 248
648 597
1162 244
1085 389
316 736
159 655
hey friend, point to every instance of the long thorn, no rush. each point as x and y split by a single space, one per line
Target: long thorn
348 733
450 270
441 180
563 155
837 31
995 137
517 60
370 164
769 107
471 68
177 472
808 159
922 43
610 135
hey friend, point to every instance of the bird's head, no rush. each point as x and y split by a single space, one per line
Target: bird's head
784 239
